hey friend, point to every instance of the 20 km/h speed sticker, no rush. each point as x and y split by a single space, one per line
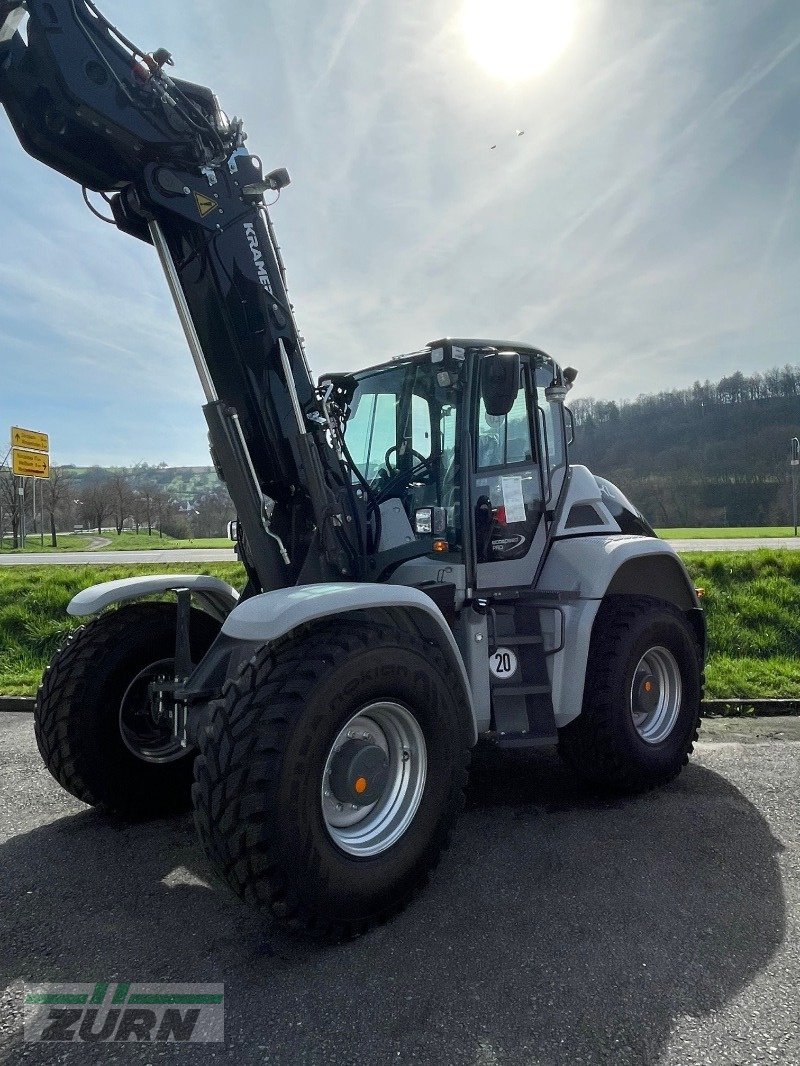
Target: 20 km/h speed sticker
503 663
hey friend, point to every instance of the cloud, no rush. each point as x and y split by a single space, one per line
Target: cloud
645 227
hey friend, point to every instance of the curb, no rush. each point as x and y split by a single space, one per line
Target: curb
734 708
16 703
738 708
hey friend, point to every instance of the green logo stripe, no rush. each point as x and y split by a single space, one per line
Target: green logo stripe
146 997
53 997
100 990
121 992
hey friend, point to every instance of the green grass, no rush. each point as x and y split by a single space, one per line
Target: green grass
724 532
33 611
119 542
141 542
66 543
752 603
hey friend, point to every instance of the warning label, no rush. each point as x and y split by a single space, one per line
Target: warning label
205 205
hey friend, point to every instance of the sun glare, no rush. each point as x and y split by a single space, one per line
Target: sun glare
517 39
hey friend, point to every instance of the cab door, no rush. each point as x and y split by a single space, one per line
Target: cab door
513 485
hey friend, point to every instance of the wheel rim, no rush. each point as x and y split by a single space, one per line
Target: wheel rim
147 733
386 737
656 693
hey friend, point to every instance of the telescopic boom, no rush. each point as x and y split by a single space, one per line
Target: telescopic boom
87 102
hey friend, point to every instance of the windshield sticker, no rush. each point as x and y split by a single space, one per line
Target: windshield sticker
512 499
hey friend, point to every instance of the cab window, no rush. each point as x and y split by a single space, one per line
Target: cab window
508 482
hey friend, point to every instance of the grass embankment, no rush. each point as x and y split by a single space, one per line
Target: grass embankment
142 542
67 542
33 611
752 603
724 532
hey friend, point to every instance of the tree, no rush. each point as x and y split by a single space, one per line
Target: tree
10 504
213 511
146 506
121 498
56 495
96 505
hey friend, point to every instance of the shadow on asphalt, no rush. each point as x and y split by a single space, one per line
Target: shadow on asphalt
560 926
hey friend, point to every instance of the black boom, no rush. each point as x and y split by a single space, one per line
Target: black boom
87 102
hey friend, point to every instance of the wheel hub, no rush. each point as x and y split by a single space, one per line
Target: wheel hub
656 694
358 773
373 779
648 694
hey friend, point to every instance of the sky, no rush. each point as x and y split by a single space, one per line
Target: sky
644 229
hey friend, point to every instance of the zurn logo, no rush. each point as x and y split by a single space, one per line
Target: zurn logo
258 258
122 1012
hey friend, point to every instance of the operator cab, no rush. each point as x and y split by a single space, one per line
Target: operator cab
464 431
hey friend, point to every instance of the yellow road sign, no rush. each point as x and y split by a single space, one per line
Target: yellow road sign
30 439
30 464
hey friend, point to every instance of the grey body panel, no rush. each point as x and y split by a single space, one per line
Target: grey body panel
215 596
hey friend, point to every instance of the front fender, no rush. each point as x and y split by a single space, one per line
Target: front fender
272 615
215 596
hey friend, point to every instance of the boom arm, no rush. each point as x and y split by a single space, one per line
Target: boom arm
88 103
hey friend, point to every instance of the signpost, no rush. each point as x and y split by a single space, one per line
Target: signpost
794 462
30 457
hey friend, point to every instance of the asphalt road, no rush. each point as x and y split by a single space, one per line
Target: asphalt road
226 555
561 928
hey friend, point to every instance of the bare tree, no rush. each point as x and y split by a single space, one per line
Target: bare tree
56 495
146 505
214 510
11 503
96 505
121 498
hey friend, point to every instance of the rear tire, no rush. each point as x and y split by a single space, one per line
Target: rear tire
267 821
77 712
641 705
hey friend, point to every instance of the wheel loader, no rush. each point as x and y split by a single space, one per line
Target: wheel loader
425 568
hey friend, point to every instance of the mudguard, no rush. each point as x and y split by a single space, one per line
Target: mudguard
265 618
214 596
585 569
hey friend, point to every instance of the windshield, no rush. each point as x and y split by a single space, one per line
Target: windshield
402 436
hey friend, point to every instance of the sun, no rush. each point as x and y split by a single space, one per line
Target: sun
517 39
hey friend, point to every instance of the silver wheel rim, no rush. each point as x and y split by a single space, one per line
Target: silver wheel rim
368 830
656 693
141 734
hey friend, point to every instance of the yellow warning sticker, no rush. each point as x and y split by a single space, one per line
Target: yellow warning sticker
205 205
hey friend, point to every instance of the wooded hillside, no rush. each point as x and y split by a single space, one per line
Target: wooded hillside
713 454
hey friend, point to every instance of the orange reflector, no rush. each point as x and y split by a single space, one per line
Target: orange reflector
441 546
361 785
648 686
700 593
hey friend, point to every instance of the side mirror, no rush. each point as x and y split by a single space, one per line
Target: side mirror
500 382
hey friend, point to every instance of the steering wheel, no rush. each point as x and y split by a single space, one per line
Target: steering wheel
415 454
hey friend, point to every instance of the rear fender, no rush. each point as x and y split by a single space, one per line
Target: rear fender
588 569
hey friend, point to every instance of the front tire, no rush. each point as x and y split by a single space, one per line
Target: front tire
91 722
330 777
641 705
